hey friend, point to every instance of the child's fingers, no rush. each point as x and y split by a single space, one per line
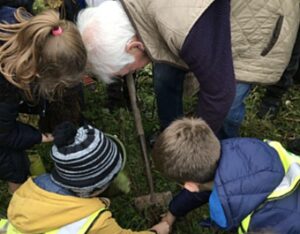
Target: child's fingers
47 137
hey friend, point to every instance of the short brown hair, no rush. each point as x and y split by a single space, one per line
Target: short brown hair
187 150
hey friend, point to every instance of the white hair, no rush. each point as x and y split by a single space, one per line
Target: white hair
105 31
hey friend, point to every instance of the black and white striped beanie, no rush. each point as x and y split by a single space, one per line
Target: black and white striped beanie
84 160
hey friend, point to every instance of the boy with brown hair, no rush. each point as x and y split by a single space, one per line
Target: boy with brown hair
250 184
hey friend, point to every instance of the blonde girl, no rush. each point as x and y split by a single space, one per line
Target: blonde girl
40 57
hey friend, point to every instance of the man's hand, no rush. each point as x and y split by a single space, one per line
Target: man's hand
47 137
161 228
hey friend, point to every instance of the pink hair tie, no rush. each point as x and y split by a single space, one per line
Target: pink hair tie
56 31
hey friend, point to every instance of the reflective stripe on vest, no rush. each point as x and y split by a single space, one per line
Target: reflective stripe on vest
291 165
79 227
3 224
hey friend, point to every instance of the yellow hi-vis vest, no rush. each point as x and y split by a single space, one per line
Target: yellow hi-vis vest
79 227
289 183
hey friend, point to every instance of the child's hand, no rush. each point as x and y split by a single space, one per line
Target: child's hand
47 137
169 218
161 228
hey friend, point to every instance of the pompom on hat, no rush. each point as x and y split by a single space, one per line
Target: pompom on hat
85 160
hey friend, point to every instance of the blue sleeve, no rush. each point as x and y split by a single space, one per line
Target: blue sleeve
82 4
7 14
185 201
216 210
207 52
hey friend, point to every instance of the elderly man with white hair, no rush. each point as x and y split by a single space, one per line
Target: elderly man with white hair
165 31
217 40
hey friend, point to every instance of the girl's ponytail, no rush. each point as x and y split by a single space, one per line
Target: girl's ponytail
43 54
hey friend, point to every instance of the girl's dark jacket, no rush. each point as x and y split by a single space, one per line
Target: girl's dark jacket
14 135
248 172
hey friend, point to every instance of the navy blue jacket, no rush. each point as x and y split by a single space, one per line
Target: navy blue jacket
249 170
27 4
209 57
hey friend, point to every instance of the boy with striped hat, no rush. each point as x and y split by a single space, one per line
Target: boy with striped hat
66 201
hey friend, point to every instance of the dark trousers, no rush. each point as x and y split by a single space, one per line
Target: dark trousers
168 88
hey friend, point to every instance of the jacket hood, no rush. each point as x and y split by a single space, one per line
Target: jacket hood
249 170
34 210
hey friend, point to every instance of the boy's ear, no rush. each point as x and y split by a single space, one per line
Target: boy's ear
134 43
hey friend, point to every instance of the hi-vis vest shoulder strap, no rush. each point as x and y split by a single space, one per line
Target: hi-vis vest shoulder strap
290 182
79 227
3 225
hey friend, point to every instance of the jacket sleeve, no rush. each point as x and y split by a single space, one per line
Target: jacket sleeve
27 4
207 52
185 201
106 224
14 134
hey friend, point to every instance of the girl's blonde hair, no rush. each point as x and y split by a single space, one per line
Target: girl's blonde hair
37 61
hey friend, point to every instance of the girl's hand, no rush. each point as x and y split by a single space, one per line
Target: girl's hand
47 137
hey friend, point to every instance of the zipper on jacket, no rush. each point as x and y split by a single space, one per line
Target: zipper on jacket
275 36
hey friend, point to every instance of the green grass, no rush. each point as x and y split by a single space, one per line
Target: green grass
120 122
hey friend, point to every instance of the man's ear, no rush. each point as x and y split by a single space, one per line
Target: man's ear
134 43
